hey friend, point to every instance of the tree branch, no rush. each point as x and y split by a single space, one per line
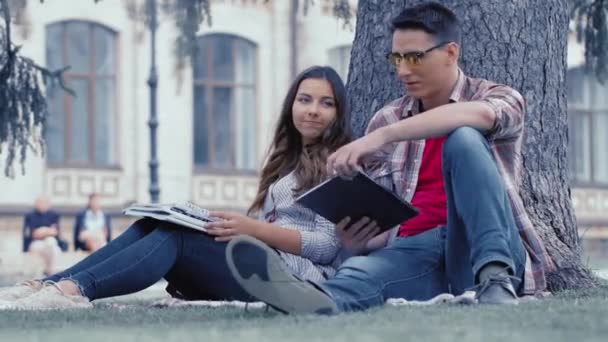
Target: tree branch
23 108
7 22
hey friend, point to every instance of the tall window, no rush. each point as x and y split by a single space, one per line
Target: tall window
224 103
588 122
339 59
81 129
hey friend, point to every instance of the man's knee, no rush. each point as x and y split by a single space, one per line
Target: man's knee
358 266
463 142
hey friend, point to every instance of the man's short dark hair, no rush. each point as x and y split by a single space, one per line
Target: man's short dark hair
432 18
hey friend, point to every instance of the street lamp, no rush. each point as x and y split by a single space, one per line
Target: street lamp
153 85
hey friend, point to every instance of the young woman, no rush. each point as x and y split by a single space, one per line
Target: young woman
313 123
92 228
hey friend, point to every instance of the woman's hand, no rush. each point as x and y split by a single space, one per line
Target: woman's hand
233 224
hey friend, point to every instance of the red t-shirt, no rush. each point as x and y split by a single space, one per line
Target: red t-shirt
429 196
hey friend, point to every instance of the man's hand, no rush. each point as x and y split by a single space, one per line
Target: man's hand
233 224
44 232
347 159
354 237
39 233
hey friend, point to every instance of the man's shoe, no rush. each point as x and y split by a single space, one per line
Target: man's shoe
496 289
262 273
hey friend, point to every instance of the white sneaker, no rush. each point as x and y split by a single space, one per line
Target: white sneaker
19 291
50 297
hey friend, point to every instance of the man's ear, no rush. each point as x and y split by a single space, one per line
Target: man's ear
453 51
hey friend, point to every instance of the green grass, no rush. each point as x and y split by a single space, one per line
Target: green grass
578 317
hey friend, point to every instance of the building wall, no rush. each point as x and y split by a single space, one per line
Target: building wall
317 32
270 32
590 201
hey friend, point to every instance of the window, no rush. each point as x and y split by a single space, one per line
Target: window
588 125
81 129
339 59
224 103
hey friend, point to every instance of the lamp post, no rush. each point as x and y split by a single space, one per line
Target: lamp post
153 85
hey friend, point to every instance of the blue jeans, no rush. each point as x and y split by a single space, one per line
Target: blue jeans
192 262
480 230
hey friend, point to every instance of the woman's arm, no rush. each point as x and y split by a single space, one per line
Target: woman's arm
234 224
319 246
287 240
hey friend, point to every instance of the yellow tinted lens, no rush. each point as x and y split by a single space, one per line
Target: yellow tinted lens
394 59
412 59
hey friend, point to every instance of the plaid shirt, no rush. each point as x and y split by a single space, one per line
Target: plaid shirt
397 165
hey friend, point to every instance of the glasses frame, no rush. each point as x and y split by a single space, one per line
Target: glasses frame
412 58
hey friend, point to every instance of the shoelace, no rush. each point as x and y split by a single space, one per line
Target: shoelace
53 284
30 283
498 278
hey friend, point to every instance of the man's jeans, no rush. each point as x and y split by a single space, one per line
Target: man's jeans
480 230
193 263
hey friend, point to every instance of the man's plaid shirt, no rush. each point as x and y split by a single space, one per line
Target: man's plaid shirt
397 165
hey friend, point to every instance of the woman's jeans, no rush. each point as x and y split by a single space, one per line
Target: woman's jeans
192 262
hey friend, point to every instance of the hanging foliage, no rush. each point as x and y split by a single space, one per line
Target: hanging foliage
591 27
22 103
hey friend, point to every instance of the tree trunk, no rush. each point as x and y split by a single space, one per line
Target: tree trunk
518 43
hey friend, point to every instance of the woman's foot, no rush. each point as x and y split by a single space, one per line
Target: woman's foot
19 291
52 297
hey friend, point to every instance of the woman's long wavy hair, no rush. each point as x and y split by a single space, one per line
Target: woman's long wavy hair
287 153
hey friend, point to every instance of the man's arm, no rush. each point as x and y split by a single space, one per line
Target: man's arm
498 113
440 121
27 233
378 165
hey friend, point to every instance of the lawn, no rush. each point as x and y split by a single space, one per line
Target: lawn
581 316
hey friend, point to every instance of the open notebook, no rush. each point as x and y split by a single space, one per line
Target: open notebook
185 214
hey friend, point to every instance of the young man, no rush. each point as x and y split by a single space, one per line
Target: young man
41 234
451 146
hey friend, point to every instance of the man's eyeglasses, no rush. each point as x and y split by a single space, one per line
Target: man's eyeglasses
411 58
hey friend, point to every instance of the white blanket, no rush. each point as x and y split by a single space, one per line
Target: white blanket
467 298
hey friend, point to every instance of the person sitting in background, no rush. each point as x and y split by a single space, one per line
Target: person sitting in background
92 228
41 234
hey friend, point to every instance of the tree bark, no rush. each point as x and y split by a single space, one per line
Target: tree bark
518 43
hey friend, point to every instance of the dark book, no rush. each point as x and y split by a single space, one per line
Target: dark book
359 197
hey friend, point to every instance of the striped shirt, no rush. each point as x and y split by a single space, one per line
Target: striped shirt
318 258
397 165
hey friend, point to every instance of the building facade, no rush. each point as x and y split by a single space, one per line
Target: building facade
588 158
216 117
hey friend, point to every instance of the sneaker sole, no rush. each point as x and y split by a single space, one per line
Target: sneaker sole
263 274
